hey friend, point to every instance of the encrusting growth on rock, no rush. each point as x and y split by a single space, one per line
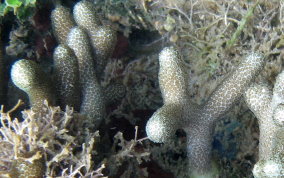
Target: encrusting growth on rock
114 92
197 121
268 107
25 168
29 77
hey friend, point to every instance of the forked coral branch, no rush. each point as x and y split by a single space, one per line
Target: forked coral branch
197 121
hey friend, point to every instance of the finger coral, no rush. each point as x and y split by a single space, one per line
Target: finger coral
99 47
66 77
267 105
92 99
76 73
29 77
197 121
103 38
136 83
62 22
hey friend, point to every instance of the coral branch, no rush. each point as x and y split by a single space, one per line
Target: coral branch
233 86
103 38
29 77
92 99
62 22
89 40
66 77
197 121
267 105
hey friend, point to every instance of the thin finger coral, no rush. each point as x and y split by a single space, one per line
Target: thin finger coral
92 44
29 77
92 99
62 23
103 38
66 77
197 121
267 105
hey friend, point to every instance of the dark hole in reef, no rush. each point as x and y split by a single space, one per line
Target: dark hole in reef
143 37
180 133
144 41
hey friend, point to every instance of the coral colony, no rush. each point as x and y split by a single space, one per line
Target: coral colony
51 142
199 121
72 57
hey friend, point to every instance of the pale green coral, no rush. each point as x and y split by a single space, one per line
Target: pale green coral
29 77
92 100
62 22
197 121
103 38
66 77
89 40
267 105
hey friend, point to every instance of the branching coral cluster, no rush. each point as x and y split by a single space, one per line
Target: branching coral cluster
77 78
43 143
197 121
76 73
103 39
